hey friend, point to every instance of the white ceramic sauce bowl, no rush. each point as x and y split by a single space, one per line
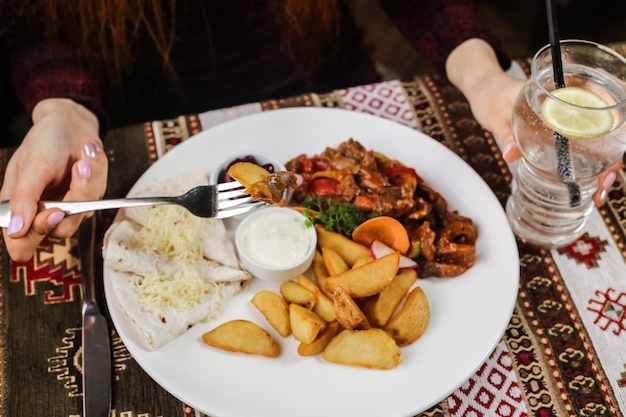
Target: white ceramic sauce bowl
274 243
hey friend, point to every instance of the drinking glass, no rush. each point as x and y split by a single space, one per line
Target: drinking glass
541 210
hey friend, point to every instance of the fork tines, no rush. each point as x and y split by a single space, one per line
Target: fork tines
228 190
232 200
223 186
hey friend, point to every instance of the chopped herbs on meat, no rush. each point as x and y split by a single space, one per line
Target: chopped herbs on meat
340 218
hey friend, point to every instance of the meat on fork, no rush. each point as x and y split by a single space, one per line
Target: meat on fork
271 189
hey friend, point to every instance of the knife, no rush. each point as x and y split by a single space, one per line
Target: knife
95 340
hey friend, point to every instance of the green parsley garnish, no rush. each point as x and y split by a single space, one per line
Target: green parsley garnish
340 218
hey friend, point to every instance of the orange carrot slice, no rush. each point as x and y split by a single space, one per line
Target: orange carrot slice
385 229
301 209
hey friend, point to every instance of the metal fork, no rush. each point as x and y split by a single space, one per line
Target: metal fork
219 201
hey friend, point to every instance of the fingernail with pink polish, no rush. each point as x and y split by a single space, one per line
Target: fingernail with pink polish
507 149
15 225
603 196
92 149
55 218
84 169
609 180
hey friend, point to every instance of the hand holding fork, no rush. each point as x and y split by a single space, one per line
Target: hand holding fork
218 201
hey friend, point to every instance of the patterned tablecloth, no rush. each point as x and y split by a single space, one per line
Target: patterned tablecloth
563 353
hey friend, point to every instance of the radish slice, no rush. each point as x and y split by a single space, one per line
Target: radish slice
378 249
299 179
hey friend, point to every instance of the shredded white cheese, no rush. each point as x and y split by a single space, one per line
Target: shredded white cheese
174 234
180 291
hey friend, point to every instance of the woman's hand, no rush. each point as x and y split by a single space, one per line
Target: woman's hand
474 69
60 158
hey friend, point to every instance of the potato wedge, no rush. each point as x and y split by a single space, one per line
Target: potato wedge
334 263
362 261
321 341
371 348
349 315
247 173
380 307
262 185
412 320
320 271
305 324
367 279
324 306
275 309
297 294
349 250
242 336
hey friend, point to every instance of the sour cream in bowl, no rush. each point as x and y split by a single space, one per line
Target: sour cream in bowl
275 243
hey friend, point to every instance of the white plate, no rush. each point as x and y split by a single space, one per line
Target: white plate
468 314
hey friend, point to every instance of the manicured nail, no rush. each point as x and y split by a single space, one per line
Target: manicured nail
55 218
609 180
84 169
507 149
15 225
603 196
92 149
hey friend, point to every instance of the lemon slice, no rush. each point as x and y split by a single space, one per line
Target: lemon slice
574 121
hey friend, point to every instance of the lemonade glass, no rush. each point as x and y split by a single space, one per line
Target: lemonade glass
589 112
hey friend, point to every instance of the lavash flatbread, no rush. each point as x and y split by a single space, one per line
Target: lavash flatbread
158 329
169 275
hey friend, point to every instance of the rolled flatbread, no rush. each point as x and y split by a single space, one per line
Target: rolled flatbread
125 251
168 268
158 328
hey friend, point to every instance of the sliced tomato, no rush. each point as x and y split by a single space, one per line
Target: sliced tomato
397 170
325 187
311 165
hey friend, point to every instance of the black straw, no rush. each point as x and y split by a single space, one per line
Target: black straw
555 37
565 167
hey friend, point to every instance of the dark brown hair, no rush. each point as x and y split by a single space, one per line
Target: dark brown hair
104 30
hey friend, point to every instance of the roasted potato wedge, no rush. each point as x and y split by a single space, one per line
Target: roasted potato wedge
305 324
320 271
349 315
319 344
275 309
371 348
324 306
297 294
242 336
334 263
367 279
362 261
247 173
380 307
411 321
349 250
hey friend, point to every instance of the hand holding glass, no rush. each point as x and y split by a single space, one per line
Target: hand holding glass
590 112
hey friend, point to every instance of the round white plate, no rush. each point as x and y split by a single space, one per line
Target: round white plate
468 314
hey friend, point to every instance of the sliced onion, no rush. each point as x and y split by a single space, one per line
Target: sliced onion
299 179
378 249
